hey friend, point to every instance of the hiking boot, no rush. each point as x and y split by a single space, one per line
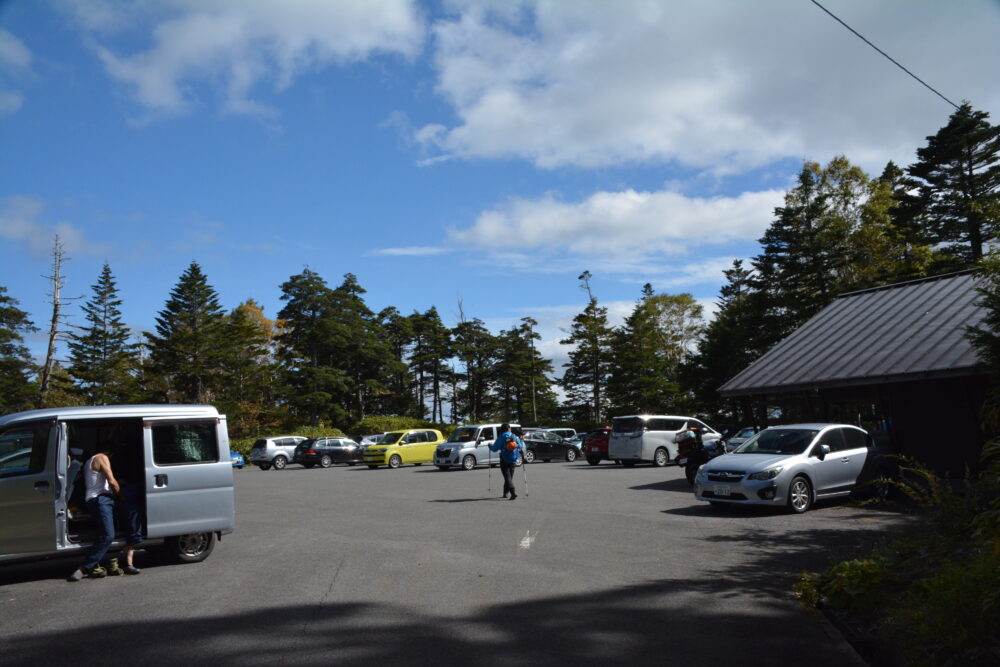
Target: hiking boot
131 569
513 496
113 568
97 573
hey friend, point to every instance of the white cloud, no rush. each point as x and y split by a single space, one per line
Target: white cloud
15 59
613 224
19 222
236 46
716 85
411 251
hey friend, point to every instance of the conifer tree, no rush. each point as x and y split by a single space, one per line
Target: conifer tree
17 391
589 364
958 173
186 351
306 349
102 360
476 349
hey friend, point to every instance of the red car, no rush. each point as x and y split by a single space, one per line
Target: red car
595 445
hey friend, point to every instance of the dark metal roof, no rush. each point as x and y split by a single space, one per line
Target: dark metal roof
899 332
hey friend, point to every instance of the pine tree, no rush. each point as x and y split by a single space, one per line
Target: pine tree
958 173
589 364
431 350
17 391
102 360
477 350
523 389
306 349
186 351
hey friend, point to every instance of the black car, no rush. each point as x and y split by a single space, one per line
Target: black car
327 451
545 445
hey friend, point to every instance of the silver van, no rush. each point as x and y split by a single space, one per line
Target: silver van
468 447
638 438
178 453
278 451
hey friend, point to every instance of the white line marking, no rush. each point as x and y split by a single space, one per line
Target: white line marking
528 539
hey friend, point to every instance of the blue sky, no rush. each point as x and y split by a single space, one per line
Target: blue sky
487 152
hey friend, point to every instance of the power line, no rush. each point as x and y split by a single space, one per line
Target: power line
891 59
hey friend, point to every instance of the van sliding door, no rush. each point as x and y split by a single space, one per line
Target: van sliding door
189 476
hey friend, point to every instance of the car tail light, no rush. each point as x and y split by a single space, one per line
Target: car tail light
311 452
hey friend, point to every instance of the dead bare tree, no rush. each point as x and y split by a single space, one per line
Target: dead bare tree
58 282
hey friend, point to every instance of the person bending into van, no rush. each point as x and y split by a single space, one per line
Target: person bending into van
101 488
511 449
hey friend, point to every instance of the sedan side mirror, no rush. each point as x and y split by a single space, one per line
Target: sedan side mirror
822 451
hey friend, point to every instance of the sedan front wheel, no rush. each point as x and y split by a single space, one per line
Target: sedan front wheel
800 495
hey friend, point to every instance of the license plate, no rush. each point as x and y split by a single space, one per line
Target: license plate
721 490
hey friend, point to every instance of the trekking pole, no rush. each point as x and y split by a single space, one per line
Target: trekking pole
490 467
524 471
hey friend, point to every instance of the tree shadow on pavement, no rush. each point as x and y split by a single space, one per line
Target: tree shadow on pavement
728 615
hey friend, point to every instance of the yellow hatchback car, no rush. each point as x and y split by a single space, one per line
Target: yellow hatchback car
395 448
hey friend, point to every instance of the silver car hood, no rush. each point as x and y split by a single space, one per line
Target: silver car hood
747 462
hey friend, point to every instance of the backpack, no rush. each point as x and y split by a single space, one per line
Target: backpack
511 444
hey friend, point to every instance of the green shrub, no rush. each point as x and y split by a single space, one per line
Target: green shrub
930 593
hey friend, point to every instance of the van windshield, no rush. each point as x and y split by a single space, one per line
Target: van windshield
464 434
628 425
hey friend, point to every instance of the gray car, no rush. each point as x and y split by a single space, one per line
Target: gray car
793 465
468 447
277 451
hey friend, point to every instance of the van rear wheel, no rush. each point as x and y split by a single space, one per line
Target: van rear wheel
192 548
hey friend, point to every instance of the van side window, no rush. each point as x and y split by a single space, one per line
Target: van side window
185 442
664 424
487 433
23 448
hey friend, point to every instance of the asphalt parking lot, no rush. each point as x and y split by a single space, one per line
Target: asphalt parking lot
350 566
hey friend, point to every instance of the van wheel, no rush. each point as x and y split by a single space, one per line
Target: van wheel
469 462
570 455
593 460
279 462
325 461
395 461
661 458
799 495
264 466
192 548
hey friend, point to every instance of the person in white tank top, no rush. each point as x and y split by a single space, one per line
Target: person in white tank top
101 489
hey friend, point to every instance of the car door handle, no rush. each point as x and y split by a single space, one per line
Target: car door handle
42 487
160 480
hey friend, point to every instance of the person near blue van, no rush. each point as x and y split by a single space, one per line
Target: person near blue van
511 450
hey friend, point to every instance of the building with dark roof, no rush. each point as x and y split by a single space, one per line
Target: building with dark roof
894 360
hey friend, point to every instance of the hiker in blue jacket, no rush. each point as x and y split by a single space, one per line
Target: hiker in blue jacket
511 449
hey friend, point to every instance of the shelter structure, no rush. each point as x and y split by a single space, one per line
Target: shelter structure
894 360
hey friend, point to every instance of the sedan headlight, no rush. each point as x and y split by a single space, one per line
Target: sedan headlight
770 473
